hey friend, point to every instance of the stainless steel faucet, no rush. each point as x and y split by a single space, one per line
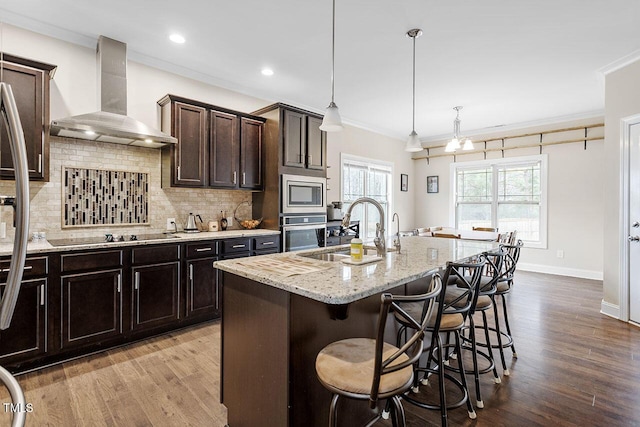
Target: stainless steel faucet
396 241
379 241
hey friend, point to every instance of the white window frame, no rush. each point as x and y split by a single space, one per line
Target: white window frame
512 161
344 157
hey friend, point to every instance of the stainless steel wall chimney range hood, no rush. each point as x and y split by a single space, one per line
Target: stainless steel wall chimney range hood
111 123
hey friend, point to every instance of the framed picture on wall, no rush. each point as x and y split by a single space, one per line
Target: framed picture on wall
404 182
432 184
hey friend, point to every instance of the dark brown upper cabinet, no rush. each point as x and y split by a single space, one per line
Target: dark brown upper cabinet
217 147
304 144
29 82
294 139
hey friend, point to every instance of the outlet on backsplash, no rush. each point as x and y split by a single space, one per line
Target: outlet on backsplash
170 223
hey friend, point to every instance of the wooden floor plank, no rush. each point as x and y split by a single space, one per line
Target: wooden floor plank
576 367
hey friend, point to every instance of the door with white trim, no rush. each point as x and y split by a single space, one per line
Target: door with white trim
634 223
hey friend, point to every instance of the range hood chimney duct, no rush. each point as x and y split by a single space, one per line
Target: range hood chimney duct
111 123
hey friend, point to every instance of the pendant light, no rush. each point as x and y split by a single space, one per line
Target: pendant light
454 144
413 143
332 121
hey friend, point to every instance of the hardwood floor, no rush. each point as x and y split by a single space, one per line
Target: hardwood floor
576 367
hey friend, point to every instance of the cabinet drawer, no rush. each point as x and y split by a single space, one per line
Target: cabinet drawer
155 254
266 242
202 249
241 244
33 267
90 261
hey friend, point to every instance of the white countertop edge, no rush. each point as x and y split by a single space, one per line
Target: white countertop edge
45 247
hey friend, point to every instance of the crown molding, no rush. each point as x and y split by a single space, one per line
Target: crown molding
620 63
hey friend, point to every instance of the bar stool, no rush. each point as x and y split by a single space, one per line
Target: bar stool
505 284
449 318
371 369
485 302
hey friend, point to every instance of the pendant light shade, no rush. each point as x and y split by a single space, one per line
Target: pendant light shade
413 143
332 121
454 144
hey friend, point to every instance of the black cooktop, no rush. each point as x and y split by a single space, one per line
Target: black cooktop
115 238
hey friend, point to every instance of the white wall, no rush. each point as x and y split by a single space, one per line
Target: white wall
622 99
575 197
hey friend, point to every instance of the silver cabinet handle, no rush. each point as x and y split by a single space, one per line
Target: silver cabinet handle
191 273
633 238
136 283
26 267
636 224
39 163
41 294
204 249
120 282
244 178
238 246
234 176
267 243
179 173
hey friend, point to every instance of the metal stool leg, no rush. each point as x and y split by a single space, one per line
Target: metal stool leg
333 412
496 377
505 370
463 378
506 322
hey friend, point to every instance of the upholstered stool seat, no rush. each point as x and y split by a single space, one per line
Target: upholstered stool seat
348 365
372 369
448 317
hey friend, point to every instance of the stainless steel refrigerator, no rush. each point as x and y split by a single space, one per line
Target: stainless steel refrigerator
20 203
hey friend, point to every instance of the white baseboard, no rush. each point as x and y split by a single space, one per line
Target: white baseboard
561 271
611 310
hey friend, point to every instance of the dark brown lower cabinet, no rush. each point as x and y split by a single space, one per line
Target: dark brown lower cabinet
156 290
26 336
91 307
202 289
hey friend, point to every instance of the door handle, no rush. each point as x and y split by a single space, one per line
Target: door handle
633 238
136 280
636 224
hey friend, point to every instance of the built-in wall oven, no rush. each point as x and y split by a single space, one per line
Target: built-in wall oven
303 232
303 194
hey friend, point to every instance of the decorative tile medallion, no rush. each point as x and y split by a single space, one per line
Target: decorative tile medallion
104 197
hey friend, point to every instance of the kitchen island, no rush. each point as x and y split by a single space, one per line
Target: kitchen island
280 310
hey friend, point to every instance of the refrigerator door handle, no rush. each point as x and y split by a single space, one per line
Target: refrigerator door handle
9 112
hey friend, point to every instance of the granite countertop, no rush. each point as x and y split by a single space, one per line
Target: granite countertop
335 282
44 247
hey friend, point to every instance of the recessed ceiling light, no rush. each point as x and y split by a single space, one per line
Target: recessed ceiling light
177 38
89 132
148 140
267 72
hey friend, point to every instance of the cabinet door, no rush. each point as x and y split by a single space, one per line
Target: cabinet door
191 150
26 336
202 291
316 145
27 86
155 295
223 159
294 139
91 307
251 154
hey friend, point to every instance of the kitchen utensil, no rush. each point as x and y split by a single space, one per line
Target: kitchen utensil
191 226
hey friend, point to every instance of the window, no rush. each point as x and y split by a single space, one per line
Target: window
509 194
366 178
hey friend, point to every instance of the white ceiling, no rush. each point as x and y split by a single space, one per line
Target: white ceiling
505 61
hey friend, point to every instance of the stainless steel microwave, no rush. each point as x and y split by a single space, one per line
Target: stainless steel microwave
303 194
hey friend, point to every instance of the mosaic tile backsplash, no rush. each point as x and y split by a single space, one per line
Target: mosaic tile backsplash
104 197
